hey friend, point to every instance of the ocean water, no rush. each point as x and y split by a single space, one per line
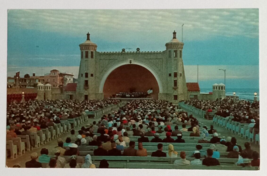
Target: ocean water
242 93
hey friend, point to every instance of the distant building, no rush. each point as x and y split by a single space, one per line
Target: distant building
57 79
193 90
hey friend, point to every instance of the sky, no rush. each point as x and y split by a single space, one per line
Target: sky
40 40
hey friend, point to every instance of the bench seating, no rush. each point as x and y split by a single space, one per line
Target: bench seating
149 152
149 147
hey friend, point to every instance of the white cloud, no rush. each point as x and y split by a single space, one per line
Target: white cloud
199 24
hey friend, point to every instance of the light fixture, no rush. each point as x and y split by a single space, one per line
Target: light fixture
233 93
255 94
22 93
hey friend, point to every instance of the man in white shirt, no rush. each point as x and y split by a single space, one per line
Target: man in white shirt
183 161
197 160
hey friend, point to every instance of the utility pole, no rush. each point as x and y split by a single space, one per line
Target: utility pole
224 70
197 73
182 32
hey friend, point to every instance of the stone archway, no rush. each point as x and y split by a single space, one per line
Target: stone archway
130 77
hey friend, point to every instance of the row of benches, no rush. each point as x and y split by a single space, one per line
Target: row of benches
241 129
20 144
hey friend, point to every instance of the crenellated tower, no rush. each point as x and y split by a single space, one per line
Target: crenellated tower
175 66
86 79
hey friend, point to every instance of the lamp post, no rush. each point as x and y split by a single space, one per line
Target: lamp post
22 100
234 96
224 70
255 97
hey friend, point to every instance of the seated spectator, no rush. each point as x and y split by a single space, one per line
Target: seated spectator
232 144
60 147
179 138
215 138
211 131
141 151
143 138
235 153
33 163
130 151
126 138
11 133
73 163
153 130
60 161
44 158
100 151
88 162
168 137
129 132
197 160
120 141
195 131
102 137
156 138
72 150
203 140
94 142
73 137
172 153
184 129
107 144
176 131
67 142
183 161
248 150
78 140
88 137
53 163
216 154
200 151
114 151
256 160
159 152
160 130
149 132
103 164
243 160
209 161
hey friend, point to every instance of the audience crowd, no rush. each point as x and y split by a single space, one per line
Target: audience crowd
113 134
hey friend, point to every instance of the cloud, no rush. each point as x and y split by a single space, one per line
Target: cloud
199 24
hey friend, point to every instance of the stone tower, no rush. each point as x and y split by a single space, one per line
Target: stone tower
175 66
86 88
40 91
47 91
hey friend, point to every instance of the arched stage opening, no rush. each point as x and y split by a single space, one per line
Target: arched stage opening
130 78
